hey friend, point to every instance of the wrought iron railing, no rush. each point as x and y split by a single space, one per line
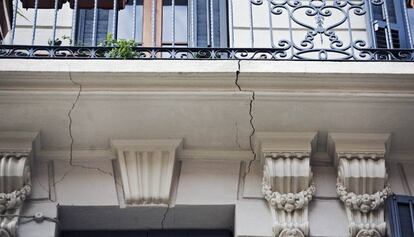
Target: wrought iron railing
357 30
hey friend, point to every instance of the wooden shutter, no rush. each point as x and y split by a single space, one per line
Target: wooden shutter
396 19
5 17
410 3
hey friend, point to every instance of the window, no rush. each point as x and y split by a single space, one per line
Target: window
193 23
401 216
397 34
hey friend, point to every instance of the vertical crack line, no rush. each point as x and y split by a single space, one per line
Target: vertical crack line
252 133
70 117
253 128
164 217
72 140
237 76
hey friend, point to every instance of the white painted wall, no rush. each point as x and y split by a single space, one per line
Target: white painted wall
201 183
44 31
202 105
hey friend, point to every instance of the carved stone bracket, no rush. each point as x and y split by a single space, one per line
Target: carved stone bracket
147 168
16 152
362 180
287 179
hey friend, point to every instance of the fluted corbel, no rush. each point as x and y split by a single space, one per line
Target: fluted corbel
287 180
16 155
147 168
362 180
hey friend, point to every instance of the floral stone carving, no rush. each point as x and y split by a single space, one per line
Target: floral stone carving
287 180
362 180
13 196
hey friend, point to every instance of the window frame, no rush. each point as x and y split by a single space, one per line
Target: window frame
402 26
149 38
393 214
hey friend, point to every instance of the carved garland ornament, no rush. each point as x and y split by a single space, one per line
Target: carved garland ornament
9 201
288 201
364 202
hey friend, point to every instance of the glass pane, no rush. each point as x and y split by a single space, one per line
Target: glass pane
202 24
126 18
391 11
180 22
86 23
405 220
378 10
411 19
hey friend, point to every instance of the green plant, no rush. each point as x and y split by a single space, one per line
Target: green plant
122 48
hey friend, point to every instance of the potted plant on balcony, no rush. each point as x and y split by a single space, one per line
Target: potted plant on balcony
42 4
102 4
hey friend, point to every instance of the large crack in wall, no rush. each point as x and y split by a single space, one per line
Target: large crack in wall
253 128
72 140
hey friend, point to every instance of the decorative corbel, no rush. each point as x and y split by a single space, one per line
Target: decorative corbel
16 152
287 180
362 180
147 168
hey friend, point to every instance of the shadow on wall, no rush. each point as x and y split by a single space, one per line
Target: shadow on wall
181 217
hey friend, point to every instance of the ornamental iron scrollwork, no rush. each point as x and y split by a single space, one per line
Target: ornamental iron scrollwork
298 30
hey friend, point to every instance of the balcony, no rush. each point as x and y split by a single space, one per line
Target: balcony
334 30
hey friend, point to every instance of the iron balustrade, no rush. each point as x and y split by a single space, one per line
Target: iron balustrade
293 30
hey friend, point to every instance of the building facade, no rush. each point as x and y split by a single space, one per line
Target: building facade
207 117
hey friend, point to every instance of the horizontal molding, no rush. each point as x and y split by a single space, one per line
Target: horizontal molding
205 75
35 97
186 154
189 154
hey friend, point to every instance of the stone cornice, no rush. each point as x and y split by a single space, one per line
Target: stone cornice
358 145
181 75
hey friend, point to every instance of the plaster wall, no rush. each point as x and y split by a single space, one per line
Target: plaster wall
87 197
